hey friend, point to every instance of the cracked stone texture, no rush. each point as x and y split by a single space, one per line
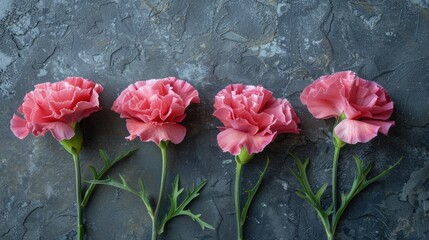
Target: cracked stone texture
282 45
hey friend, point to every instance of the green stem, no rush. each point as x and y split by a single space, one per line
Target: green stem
163 147
334 181
334 187
154 232
325 221
237 201
78 196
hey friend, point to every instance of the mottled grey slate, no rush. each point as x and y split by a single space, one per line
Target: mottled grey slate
281 44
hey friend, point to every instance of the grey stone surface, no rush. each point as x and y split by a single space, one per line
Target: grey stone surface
282 45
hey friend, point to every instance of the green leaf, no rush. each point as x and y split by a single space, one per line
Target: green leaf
144 198
301 195
177 209
359 184
301 175
306 193
94 171
111 182
125 186
97 175
104 156
320 192
252 192
382 174
197 219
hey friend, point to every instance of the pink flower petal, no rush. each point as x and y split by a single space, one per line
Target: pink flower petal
56 107
156 132
154 107
252 118
354 131
231 140
19 127
186 91
384 125
286 119
60 131
84 83
324 97
343 92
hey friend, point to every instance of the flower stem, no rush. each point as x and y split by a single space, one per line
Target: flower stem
334 187
163 146
237 201
78 196
154 232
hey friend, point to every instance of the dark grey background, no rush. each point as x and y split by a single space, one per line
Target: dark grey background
282 45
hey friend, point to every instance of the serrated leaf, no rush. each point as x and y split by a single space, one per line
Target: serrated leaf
306 193
192 194
104 157
93 171
106 167
111 182
144 198
125 155
320 192
125 186
358 185
179 209
330 210
358 165
382 174
197 219
252 192
301 195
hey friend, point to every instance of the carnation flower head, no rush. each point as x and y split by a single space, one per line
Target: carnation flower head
363 106
252 118
56 107
154 108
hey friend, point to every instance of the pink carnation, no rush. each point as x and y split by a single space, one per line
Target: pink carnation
366 105
252 118
153 109
56 107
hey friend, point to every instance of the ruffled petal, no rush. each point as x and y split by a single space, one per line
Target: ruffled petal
60 131
324 97
232 141
19 127
286 120
354 131
186 91
156 132
384 125
84 83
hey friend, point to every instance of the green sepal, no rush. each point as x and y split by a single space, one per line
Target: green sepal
75 142
244 156
338 143
97 175
252 192
179 209
163 144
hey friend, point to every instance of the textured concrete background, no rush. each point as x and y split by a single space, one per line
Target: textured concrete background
281 44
